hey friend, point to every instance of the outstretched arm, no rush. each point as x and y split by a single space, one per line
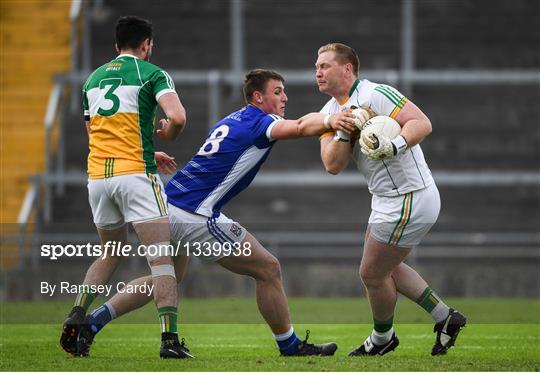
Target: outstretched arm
313 124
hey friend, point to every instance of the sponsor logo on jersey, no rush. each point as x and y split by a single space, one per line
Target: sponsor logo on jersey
114 66
236 230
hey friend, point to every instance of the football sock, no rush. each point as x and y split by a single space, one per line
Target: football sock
100 317
433 304
382 331
381 338
167 318
287 342
84 299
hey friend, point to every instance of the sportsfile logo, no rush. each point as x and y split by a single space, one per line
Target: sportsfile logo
111 248
117 249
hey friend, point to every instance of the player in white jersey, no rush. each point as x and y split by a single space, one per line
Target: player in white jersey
405 202
225 165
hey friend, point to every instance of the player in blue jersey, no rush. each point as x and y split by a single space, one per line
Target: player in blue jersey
225 165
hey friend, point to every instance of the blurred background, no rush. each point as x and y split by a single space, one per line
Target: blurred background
472 66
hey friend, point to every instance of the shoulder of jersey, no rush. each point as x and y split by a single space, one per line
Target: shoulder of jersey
258 114
148 65
275 116
96 73
146 68
328 103
366 84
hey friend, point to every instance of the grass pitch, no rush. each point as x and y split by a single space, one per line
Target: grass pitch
228 335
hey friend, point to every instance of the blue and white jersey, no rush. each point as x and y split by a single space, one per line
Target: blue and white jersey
226 163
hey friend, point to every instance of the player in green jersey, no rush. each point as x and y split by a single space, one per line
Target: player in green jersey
120 100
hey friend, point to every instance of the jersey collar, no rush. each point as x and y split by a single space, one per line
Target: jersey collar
127 55
254 108
355 84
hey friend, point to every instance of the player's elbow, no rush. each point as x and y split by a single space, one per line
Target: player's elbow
332 164
308 126
332 170
302 129
179 118
178 121
428 128
333 167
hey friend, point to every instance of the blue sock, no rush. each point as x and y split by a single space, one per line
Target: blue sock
287 342
100 317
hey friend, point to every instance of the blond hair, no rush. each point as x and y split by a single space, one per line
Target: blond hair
344 54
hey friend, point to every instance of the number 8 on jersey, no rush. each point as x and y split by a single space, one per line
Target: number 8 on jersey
214 140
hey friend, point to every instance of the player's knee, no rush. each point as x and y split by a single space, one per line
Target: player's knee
274 268
369 277
270 269
159 253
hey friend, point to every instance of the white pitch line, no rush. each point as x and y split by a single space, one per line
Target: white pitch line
228 345
460 346
491 337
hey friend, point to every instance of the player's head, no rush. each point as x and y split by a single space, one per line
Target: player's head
265 89
337 66
134 34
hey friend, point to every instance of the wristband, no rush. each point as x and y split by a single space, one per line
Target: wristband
342 136
399 144
326 121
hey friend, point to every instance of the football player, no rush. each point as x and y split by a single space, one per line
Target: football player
405 202
119 101
224 166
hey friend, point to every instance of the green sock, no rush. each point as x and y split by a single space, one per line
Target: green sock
84 299
383 326
167 317
428 300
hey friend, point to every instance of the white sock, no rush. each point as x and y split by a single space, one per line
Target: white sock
379 338
111 310
440 312
284 336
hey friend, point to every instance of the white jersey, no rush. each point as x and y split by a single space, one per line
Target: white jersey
404 173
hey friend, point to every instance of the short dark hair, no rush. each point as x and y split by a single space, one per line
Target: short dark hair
256 80
131 31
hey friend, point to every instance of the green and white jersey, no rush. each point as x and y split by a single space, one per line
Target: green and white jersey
404 173
120 101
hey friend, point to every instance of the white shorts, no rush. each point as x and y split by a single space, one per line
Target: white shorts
404 220
126 198
204 237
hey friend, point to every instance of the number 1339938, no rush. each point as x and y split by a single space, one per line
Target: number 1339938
215 249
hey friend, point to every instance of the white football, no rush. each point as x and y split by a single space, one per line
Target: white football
382 125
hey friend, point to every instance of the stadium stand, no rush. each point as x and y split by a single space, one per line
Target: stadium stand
476 127
34 47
